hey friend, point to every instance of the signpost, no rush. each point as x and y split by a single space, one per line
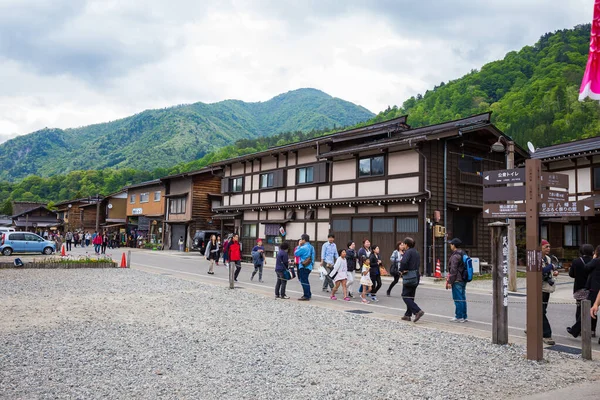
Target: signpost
501 193
502 211
582 208
552 179
504 176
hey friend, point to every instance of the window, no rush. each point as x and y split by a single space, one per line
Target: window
407 224
249 230
360 225
157 196
17 236
371 166
468 164
571 237
144 197
305 175
383 225
340 225
177 205
597 178
463 228
31 238
266 180
132 199
236 184
544 232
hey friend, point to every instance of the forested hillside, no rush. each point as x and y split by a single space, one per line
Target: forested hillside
163 138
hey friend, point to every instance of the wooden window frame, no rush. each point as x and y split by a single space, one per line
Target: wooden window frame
371 174
147 194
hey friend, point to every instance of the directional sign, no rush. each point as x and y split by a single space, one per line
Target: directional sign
503 176
554 196
503 193
501 211
552 179
582 208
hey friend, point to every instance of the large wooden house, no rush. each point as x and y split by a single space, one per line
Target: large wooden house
383 182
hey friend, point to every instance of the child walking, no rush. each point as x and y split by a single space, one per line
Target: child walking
339 274
258 259
365 280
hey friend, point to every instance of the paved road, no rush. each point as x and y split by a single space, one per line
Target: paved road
433 299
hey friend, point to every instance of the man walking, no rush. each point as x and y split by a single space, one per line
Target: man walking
306 253
455 280
69 240
234 254
329 254
549 271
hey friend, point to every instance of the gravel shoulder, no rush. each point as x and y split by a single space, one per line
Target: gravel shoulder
116 333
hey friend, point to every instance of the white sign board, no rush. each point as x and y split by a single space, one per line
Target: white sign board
137 211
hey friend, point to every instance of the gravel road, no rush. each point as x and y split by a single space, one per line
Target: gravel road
117 333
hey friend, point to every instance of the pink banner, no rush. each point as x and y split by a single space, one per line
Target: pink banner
590 86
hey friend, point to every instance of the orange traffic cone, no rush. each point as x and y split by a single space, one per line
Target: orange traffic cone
63 251
438 272
123 261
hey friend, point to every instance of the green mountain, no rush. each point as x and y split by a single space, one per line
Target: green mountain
533 93
162 138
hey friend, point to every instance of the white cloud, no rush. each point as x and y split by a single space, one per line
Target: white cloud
65 65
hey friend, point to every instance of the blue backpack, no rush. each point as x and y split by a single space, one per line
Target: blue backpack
467 273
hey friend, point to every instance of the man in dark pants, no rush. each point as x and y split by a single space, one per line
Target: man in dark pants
306 253
548 274
410 262
579 273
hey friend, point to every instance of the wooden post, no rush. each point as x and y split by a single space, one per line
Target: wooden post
231 274
499 283
586 330
98 213
512 242
535 350
128 258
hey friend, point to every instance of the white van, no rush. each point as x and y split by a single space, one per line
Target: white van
4 229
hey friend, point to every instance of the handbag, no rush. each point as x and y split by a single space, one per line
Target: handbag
286 274
581 294
411 278
547 287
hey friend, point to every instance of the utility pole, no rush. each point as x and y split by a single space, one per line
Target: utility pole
98 213
512 237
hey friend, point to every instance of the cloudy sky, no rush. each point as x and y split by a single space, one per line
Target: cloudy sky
68 63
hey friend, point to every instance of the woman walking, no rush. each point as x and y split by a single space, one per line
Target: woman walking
211 253
339 275
409 267
281 265
580 289
376 263
395 267
593 267
104 242
97 242
351 263
218 249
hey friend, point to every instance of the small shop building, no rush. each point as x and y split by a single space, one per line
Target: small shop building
145 213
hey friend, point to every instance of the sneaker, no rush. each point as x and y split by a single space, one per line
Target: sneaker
352 296
277 297
365 301
303 299
406 318
455 320
333 298
571 332
419 315
463 320
346 298
549 341
388 294
285 297
374 298
326 290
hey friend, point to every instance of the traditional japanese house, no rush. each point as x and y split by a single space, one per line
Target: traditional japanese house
146 211
36 220
84 214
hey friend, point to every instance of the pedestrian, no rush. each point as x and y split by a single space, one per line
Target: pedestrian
593 268
258 259
225 246
69 240
351 263
104 242
59 240
306 253
339 274
76 239
409 268
46 234
97 242
363 254
296 258
281 265
180 243
329 254
580 286
549 271
88 238
211 252
234 255
365 280
395 259
455 281
218 249
376 263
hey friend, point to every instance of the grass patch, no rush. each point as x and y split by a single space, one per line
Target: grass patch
488 277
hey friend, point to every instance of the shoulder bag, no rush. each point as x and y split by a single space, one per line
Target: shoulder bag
411 278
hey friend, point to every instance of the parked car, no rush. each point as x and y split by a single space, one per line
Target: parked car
4 229
25 242
201 239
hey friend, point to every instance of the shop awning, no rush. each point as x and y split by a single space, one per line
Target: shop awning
469 206
276 222
113 225
226 216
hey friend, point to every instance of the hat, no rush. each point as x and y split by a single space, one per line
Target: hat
258 240
545 242
455 241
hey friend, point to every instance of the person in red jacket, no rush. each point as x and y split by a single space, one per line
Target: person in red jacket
234 255
97 243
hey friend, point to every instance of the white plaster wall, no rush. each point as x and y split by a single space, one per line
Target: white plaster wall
343 191
237 169
236 200
250 215
322 231
403 162
255 182
306 194
403 185
370 209
343 210
311 231
291 177
324 192
343 170
583 180
247 199
268 197
398 208
276 214
255 198
225 200
571 174
372 188
268 163
291 159
294 230
280 196
227 171
306 156
300 214
261 231
256 166
282 158
291 195
248 184
323 213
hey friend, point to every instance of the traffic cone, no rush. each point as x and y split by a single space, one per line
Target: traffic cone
63 250
123 261
438 272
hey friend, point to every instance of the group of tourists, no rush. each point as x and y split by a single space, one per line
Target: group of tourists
100 241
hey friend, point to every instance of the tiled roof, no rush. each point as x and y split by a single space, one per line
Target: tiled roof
568 150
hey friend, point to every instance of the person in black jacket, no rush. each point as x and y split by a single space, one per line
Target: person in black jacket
375 259
593 267
580 274
351 262
410 262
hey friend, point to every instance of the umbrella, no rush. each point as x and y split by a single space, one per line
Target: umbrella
590 86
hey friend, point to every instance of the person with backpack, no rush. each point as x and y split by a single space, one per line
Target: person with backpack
409 268
456 281
580 286
306 253
395 267
258 259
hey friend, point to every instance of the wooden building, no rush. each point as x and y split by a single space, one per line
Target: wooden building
383 182
146 210
191 197
37 220
84 214
580 160
115 207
